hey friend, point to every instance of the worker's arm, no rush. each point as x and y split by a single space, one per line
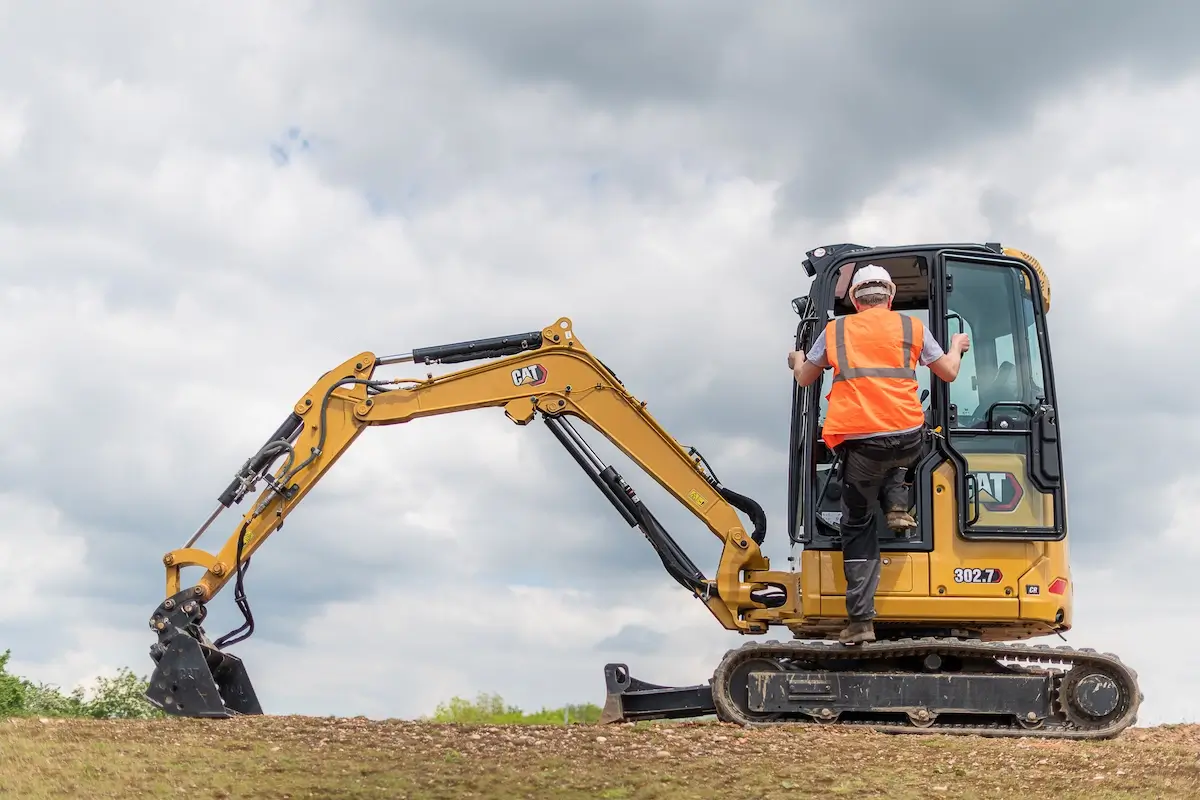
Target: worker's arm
946 365
807 369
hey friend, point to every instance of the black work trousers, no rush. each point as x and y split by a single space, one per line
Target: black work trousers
872 469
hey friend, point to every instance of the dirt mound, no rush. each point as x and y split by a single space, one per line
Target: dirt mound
303 757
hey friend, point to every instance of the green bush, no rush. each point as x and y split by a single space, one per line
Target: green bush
120 697
123 697
12 689
491 709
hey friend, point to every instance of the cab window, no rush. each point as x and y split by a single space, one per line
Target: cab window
1004 364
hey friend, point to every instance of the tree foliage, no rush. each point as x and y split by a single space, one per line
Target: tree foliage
117 697
12 689
491 709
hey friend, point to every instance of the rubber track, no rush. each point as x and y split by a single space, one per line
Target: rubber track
1044 656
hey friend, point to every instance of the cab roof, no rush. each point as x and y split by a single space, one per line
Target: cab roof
830 256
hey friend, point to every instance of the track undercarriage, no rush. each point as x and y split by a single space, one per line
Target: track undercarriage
920 685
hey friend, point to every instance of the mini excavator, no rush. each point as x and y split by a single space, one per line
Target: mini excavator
985 570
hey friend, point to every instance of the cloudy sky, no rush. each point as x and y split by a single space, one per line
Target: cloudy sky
203 207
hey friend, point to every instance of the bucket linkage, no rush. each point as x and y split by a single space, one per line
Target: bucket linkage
193 677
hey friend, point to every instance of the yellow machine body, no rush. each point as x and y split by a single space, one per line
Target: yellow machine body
990 563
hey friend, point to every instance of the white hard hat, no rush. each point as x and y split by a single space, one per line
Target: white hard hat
872 279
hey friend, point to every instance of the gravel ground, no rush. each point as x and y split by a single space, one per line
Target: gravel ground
305 757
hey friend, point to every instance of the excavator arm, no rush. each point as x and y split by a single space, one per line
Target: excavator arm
547 373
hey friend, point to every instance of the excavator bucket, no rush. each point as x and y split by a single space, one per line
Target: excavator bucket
192 678
196 680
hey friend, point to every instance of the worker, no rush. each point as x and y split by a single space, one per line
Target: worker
875 422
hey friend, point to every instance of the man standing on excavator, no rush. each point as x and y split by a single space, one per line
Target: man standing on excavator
875 422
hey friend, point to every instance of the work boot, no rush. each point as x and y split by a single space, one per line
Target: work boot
900 521
857 633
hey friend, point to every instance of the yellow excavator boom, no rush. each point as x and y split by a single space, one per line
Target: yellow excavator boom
548 373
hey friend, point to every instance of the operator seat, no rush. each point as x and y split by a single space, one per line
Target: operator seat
1003 387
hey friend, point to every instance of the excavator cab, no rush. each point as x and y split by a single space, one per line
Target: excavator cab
986 566
997 423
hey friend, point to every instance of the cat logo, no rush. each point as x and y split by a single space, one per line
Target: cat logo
999 492
532 375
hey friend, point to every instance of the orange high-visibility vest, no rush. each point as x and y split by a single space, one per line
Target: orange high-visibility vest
874 354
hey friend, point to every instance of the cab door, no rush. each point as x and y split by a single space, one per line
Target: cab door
1000 413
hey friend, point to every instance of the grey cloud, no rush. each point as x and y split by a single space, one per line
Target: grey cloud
28 639
663 51
831 103
633 639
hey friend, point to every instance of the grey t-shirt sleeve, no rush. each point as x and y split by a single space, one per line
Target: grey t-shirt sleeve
816 354
931 351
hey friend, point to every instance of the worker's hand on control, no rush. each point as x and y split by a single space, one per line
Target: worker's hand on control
795 357
960 341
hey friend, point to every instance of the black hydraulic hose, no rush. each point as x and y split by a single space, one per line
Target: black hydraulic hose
265 455
321 434
676 562
741 502
246 629
751 509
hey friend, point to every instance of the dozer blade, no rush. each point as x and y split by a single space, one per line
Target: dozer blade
628 699
192 678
